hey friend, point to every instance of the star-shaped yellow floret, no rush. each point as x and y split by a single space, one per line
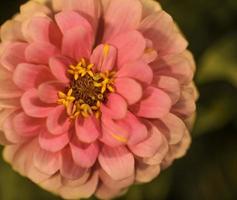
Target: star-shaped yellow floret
107 82
81 69
65 99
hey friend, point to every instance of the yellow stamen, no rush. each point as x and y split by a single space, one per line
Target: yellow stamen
81 69
98 104
103 89
65 99
83 62
62 95
110 88
97 114
97 84
90 66
96 77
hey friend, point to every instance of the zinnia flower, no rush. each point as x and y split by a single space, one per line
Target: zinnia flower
96 95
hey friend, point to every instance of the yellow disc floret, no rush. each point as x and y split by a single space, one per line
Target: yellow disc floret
65 99
107 82
81 69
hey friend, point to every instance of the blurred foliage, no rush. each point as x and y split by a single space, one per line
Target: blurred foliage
209 171
219 62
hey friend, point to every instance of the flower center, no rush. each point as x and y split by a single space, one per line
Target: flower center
86 91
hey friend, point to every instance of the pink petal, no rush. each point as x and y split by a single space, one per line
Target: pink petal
104 57
116 107
104 192
117 162
161 30
172 127
58 121
48 91
130 46
84 155
192 90
77 182
177 66
121 16
32 105
150 146
155 104
150 7
9 152
32 8
10 103
4 141
27 134
21 158
52 184
138 131
69 168
40 52
27 76
11 31
37 29
9 89
51 142
159 156
13 55
180 149
137 70
129 89
170 86
53 160
10 93
146 173
186 106
31 171
85 190
59 66
4 73
9 132
77 43
150 54
128 130
87 130
114 133
113 184
90 9
68 20
25 124
189 56
58 5
42 28
4 113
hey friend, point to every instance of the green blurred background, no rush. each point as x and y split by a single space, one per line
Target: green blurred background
209 171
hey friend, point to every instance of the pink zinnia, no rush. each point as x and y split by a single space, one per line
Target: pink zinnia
95 95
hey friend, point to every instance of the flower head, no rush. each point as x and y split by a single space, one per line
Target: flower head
96 95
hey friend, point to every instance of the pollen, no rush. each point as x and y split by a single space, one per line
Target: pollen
87 90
